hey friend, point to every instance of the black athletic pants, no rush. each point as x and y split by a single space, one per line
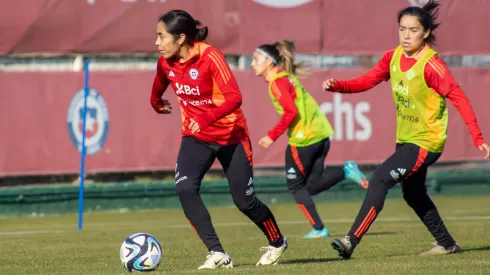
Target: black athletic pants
194 160
306 176
408 166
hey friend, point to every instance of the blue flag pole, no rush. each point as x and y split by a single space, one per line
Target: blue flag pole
82 161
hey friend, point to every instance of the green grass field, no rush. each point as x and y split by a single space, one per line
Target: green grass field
53 245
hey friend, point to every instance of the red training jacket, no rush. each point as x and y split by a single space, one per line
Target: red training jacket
207 92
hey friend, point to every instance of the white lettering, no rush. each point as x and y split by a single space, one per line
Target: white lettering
181 179
401 89
186 89
366 131
201 102
346 117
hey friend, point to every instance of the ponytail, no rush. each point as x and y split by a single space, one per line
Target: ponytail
201 33
282 54
286 50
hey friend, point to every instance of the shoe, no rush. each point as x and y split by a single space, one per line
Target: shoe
272 254
317 234
440 250
352 172
344 247
217 260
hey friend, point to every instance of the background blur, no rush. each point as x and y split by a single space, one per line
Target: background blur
43 44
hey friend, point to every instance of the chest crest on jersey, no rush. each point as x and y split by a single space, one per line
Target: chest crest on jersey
193 73
410 75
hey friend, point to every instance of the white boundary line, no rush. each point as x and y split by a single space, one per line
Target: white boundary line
232 224
11 233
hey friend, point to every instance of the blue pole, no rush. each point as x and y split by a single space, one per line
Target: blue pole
82 161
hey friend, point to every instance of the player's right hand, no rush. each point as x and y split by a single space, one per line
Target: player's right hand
486 148
328 84
167 108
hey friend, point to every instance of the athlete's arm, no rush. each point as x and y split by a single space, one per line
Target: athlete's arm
160 84
380 72
439 78
283 91
231 97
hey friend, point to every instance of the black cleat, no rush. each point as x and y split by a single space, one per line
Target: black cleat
344 247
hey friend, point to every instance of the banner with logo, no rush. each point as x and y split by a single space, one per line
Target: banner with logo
236 27
41 125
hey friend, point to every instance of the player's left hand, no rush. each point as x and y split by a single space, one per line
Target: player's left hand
265 141
194 126
485 147
167 107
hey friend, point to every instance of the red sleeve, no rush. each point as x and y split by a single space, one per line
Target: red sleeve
228 85
380 72
283 91
160 84
439 78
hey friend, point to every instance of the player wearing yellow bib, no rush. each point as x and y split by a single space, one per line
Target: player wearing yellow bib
420 82
308 130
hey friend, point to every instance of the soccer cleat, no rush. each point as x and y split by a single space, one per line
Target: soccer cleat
317 234
352 172
272 254
344 247
217 260
441 250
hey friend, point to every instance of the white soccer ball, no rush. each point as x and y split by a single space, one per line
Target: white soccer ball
141 252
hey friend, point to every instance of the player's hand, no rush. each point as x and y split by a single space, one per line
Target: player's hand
485 147
167 108
266 142
328 84
194 126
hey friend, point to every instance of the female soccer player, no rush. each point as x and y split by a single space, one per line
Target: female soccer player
420 82
213 126
308 131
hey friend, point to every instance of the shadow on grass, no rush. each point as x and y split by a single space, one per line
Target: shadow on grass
481 248
309 261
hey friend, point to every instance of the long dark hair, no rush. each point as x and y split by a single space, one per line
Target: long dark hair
179 21
427 16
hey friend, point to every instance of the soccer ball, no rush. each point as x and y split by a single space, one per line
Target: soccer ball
141 252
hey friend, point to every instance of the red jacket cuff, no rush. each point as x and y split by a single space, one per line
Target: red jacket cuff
337 87
478 141
272 135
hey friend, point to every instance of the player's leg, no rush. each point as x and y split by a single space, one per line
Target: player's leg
237 164
415 194
322 178
299 166
193 161
407 160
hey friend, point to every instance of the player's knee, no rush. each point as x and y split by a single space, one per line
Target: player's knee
247 204
410 199
381 182
185 185
418 200
295 185
313 189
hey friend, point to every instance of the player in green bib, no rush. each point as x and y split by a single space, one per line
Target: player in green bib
308 130
421 82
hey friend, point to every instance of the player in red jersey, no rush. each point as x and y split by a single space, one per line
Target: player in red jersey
213 127
421 82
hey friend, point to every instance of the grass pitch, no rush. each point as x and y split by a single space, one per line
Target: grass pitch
53 245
